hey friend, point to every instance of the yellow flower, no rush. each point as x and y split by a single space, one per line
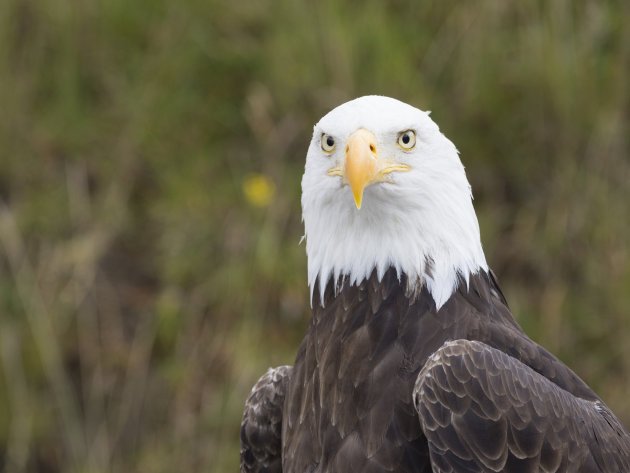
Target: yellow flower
259 190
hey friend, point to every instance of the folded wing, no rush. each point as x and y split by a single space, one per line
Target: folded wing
483 410
261 442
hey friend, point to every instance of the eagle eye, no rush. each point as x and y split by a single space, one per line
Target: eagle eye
328 143
407 139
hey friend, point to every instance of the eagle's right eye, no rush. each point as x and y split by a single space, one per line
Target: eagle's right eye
328 143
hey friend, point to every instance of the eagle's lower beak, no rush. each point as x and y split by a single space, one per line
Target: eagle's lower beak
363 167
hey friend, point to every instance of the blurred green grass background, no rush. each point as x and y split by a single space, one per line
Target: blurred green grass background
150 162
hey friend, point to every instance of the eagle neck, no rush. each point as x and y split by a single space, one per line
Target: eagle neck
377 291
433 246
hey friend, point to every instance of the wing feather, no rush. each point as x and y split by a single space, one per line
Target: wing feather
261 427
510 417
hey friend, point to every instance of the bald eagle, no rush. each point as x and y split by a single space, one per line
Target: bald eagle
412 361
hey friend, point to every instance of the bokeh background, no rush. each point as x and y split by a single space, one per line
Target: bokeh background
150 162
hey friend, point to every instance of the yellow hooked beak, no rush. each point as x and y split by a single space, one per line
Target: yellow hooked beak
363 167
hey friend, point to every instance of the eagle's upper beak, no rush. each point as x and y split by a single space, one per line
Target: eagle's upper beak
363 166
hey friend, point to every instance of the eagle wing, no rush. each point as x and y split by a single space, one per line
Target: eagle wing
261 442
483 410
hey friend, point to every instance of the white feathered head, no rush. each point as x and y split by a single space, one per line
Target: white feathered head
382 188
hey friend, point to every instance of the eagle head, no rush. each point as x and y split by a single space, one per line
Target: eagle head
382 188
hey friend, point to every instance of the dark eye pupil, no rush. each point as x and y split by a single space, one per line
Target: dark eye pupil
405 138
330 141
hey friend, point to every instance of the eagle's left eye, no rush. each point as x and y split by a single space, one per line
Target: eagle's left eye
407 139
